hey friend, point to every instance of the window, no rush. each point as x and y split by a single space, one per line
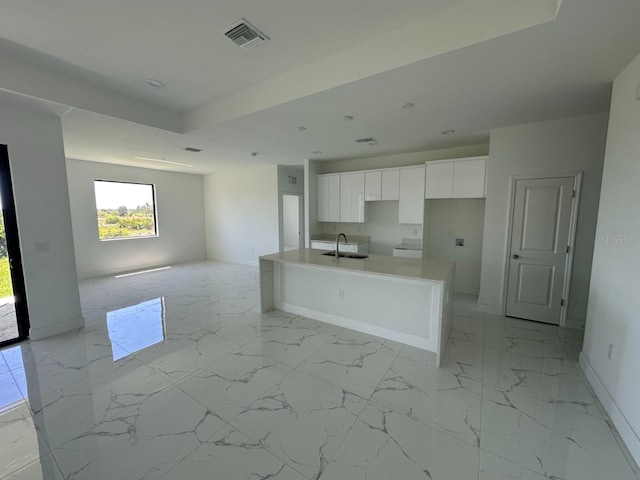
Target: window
125 210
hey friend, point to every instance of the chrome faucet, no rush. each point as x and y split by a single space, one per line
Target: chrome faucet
338 243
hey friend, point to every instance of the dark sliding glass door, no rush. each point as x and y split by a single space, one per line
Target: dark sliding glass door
14 315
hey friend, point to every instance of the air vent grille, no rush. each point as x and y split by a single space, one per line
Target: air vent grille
366 140
245 35
193 149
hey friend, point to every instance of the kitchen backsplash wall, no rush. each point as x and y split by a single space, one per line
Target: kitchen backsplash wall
381 225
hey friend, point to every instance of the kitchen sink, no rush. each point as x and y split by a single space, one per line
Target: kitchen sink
359 256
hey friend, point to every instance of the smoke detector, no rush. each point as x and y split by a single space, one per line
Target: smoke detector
245 35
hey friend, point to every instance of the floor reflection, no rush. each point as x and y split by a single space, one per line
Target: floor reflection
137 327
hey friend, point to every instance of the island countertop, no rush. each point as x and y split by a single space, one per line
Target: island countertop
431 270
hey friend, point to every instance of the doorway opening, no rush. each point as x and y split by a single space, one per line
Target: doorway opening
14 316
292 233
544 212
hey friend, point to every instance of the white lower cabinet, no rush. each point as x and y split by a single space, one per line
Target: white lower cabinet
362 247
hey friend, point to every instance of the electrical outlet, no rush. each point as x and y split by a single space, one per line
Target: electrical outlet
610 352
341 293
334 228
42 247
415 231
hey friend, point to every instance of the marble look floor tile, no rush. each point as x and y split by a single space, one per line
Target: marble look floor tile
233 382
445 401
232 456
352 338
10 394
309 324
22 443
554 380
551 440
418 355
64 413
357 369
472 325
387 445
301 420
45 468
496 468
179 358
524 342
289 345
463 357
144 442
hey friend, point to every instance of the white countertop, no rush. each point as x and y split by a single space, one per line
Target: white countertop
432 270
351 239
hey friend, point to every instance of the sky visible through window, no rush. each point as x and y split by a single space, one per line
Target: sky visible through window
111 195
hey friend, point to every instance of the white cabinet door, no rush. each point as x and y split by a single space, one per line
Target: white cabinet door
334 198
411 205
468 178
439 180
391 184
352 197
323 198
373 186
357 197
345 197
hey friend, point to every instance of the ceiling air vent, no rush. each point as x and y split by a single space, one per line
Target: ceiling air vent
193 149
366 140
245 35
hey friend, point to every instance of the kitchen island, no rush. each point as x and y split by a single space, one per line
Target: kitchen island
401 299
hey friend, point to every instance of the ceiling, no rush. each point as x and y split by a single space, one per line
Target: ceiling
467 65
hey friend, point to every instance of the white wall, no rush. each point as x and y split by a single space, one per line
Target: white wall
36 154
560 146
180 217
381 225
614 302
451 219
241 213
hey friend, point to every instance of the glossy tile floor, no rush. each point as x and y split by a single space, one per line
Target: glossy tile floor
177 377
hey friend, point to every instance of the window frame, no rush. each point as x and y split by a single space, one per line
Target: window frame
154 209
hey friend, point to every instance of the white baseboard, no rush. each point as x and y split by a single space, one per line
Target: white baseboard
628 435
236 261
575 323
40 333
375 330
491 309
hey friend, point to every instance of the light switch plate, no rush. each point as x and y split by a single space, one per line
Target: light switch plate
459 242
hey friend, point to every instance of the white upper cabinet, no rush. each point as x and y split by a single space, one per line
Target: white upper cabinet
411 205
459 178
469 178
391 184
382 184
328 197
352 192
439 180
373 185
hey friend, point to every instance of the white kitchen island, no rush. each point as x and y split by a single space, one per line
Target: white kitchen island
402 299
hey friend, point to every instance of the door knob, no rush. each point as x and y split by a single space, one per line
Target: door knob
515 257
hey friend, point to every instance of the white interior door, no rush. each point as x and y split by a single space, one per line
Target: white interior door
292 211
539 248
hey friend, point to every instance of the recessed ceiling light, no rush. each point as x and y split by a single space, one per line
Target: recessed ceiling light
301 129
448 132
347 118
407 105
155 83
317 152
162 160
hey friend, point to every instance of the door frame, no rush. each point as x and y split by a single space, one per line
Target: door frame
575 207
13 248
301 225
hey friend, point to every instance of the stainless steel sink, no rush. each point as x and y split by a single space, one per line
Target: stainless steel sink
359 256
